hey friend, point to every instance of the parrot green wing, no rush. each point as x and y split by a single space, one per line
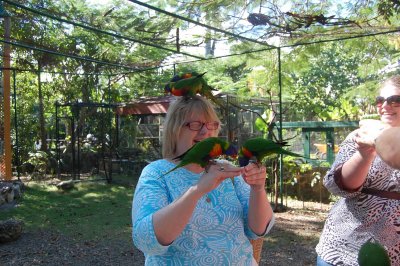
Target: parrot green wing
200 153
206 91
261 148
193 84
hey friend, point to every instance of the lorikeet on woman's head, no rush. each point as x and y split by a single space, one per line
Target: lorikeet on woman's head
189 84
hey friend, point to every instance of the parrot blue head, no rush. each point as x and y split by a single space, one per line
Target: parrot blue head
243 161
231 151
167 88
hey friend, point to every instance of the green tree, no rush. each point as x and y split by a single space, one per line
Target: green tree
318 90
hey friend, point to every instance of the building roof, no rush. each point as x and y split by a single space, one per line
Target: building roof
146 106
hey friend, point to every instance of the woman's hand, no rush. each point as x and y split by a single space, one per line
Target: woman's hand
255 176
260 211
365 136
215 174
365 143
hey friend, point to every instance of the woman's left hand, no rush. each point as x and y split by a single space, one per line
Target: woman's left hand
255 175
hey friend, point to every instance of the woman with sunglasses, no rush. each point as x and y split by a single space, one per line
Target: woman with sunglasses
192 216
369 207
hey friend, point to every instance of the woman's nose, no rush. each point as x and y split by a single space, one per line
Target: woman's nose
204 130
385 104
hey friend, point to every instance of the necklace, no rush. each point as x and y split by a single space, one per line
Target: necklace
208 198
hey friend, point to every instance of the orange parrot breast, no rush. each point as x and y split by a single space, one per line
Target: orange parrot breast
216 151
247 153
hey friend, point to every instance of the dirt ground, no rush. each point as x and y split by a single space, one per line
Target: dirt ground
291 241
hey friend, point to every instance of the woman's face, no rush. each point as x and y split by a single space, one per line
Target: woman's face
389 112
190 134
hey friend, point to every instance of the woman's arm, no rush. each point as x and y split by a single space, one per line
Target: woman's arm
354 171
170 221
260 211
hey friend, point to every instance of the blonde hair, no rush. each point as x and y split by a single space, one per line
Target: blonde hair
178 113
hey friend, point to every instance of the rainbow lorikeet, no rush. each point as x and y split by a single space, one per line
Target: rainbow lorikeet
203 153
372 254
187 84
255 149
190 84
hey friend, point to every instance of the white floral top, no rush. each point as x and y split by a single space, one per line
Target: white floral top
358 217
217 233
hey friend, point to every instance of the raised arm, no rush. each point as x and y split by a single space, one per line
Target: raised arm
170 221
260 211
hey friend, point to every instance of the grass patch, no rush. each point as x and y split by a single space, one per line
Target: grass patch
90 211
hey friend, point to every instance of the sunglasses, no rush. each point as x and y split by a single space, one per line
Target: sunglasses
393 101
197 125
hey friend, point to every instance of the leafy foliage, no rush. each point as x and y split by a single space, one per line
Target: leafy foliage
388 8
120 52
319 89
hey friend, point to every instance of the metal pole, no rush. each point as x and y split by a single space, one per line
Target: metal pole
16 123
280 126
78 133
111 143
6 99
57 141
73 146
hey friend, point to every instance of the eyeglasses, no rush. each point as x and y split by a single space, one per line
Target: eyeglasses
393 101
197 125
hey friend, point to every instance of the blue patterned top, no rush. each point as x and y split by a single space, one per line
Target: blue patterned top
217 233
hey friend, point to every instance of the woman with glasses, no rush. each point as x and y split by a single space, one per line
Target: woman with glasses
369 207
192 216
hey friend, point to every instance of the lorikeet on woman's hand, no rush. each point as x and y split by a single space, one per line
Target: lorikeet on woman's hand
255 149
204 152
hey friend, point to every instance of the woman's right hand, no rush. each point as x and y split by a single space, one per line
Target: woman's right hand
170 221
215 174
365 136
365 143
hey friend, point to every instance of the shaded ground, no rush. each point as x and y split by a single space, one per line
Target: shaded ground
291 241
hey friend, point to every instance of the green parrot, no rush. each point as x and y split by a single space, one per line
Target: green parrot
206 91
203 152
190 84
255 149
373 254
187 84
